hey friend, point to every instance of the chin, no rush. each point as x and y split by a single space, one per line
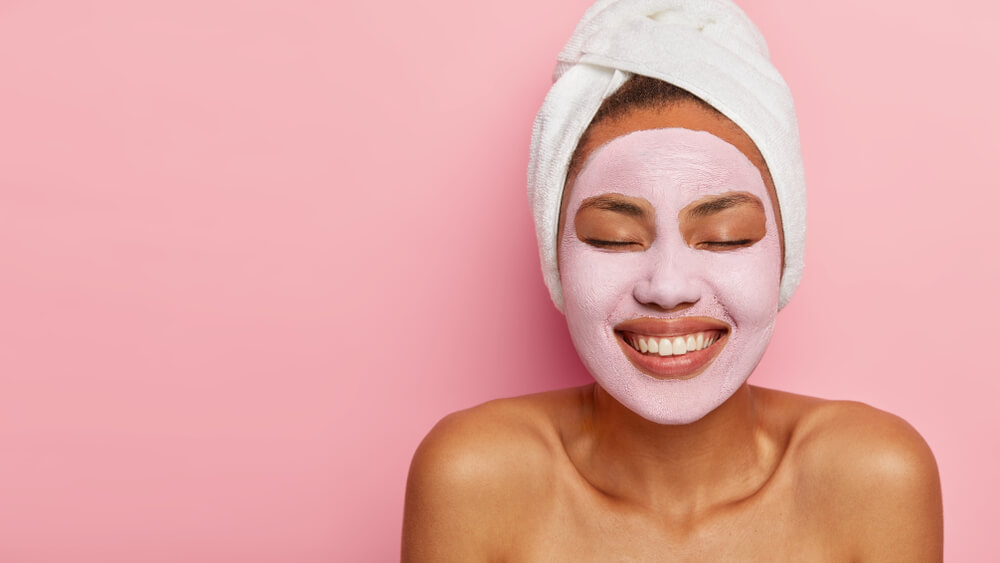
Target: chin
674 406
671 400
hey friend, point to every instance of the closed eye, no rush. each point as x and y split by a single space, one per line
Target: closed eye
727 243
723 223
610 243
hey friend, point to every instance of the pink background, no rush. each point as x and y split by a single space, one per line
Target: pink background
251 251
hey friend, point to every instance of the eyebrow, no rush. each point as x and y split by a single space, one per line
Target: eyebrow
613 203
721 203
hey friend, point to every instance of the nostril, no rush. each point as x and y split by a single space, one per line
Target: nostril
669 295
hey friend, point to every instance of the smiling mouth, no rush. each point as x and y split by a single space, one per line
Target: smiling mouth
672 349
671 346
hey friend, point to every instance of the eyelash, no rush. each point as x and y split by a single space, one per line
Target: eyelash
741 242
609 243
622 244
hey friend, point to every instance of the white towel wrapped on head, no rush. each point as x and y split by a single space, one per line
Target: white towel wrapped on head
707 47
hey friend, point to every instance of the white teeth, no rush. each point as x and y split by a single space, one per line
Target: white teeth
674 346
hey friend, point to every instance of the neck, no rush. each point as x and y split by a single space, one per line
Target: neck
684 469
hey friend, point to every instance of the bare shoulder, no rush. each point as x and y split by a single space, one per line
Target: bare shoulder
477 473
874 476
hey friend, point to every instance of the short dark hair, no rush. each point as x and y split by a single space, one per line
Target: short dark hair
638 92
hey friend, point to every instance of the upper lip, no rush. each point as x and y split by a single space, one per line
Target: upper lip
671 327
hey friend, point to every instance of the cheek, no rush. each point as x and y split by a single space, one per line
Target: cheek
598 285
595 283
748 281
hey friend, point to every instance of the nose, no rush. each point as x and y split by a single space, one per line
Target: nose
671 283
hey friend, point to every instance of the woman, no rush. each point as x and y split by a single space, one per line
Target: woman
667 187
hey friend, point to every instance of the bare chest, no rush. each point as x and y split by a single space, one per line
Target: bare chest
579 525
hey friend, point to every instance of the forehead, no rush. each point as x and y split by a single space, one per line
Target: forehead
671 164
682 114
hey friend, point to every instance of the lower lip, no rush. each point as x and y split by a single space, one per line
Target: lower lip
686 366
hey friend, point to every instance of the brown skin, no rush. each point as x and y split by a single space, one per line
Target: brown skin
686 114
735 219
573 475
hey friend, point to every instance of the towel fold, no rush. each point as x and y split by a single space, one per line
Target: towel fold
707 47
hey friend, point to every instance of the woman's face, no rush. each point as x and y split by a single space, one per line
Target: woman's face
670 260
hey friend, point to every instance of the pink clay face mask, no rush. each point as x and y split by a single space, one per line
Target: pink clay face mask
671 330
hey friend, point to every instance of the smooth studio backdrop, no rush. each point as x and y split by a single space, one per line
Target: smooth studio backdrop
250 252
